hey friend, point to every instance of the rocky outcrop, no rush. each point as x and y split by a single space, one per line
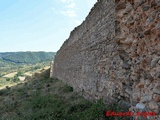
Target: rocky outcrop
114 54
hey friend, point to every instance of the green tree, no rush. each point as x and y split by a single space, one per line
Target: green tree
20 73
8 79
16 79
37 67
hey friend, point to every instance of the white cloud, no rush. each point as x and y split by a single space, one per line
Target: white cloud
69 13
71 5
64 1
69 9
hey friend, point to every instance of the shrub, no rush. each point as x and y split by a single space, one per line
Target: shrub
20 73
67 89
16 79
2 92
7 79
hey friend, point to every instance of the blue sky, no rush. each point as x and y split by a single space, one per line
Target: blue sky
39 25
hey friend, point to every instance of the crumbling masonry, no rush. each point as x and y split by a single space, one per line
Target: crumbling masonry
114 54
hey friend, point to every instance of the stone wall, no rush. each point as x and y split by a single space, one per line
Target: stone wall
138 41
115 54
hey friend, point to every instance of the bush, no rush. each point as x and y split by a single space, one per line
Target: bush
20 73
16 79
8 79
67 89
2 92
37 67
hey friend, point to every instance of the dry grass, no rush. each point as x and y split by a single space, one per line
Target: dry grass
10 75
28 73
21 78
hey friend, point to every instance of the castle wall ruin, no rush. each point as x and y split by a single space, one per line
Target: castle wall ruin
114 54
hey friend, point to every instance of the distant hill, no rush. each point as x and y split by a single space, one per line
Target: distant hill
26 57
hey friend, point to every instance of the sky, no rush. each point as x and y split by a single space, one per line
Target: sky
39 25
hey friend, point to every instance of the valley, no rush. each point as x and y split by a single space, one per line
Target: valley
25 65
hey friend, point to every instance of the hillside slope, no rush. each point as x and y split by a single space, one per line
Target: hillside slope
42 98
26 57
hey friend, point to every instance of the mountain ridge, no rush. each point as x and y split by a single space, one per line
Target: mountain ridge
28 57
